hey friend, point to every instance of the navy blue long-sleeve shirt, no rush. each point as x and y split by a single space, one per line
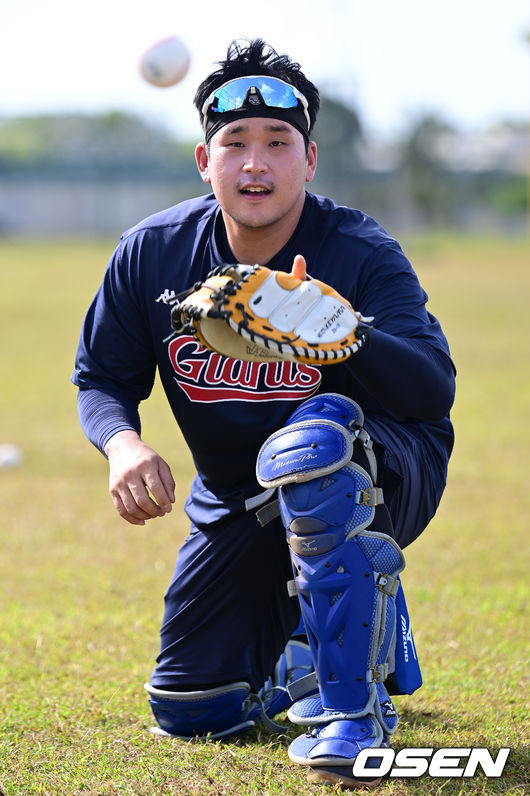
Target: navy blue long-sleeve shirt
226 408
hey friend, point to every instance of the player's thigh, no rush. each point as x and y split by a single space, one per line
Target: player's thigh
227 611
413 480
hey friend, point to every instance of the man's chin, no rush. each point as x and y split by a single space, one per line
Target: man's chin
258 217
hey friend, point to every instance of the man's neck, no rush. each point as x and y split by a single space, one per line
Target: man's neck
255 246
258 245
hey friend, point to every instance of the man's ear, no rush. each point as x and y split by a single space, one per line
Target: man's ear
311 161
202 158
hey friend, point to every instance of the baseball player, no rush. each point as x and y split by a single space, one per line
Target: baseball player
310 479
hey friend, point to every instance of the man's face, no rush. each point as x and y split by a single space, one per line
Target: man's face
258 168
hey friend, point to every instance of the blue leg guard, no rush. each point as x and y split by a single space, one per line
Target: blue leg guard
230 709
346 578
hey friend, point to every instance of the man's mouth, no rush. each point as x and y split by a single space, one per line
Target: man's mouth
255 190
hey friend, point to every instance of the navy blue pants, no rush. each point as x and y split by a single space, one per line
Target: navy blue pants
227 612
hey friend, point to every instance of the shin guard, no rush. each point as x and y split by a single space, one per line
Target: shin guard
346 577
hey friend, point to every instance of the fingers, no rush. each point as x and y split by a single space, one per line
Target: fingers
299 269
162 496
133 501
122 511
168 483
140 481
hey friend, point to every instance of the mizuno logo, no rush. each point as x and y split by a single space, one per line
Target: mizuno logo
388 708
406 633
308 545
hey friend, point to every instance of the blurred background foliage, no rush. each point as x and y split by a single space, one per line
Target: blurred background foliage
77 174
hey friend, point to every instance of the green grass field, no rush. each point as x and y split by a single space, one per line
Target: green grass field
81 591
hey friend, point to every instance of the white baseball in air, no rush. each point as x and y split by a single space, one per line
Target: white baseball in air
166 62
10 456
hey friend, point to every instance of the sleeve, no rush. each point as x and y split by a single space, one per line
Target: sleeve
409 378
101 416
115 357
406 365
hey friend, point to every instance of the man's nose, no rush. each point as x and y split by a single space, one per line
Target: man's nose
255 162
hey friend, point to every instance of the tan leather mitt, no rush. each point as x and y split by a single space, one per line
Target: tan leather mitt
252 313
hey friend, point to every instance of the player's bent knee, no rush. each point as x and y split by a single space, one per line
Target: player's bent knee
322 491
214 712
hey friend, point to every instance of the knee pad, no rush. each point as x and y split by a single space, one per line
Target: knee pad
345 576
214 712
317 439
230 709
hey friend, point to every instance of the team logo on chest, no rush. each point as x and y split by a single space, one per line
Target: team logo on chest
206 377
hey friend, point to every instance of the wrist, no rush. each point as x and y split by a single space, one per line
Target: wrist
120 439
363 332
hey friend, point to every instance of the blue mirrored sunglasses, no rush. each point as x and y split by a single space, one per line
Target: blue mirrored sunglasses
239 93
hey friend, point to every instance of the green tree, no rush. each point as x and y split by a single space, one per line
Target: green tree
423 166
108 142
338 132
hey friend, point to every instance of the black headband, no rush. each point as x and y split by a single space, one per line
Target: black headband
293 116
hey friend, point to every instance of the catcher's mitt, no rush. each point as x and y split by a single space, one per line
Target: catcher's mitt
252 313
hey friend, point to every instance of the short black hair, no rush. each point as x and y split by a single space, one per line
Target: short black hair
256 57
